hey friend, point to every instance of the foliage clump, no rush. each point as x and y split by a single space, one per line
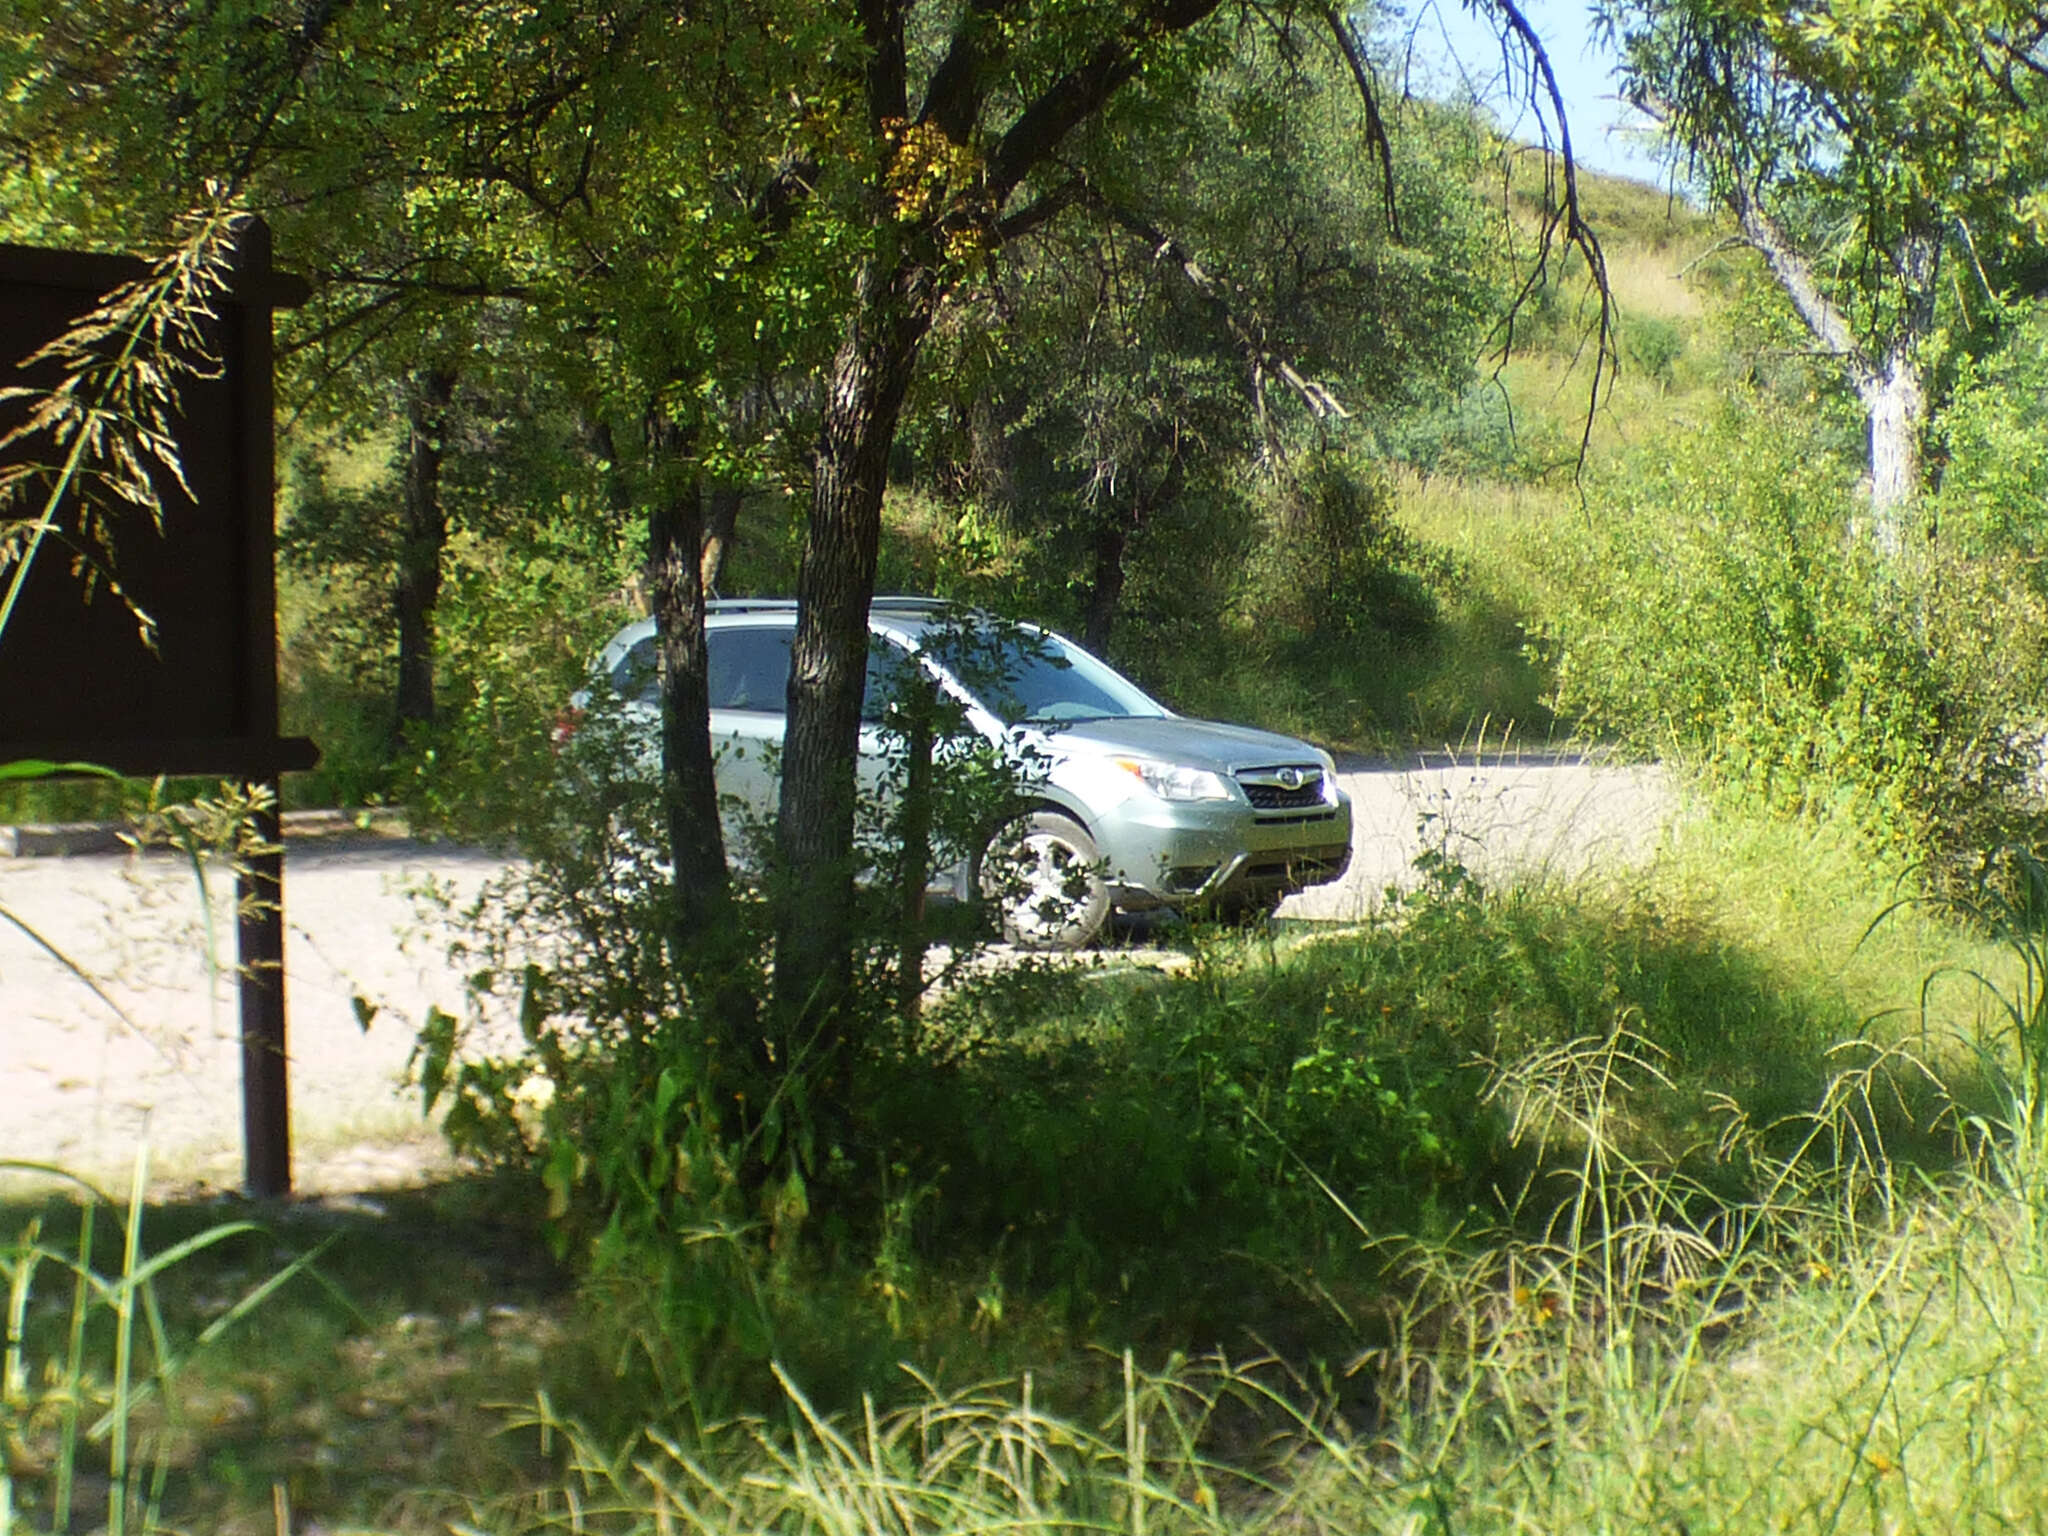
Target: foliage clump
1714 609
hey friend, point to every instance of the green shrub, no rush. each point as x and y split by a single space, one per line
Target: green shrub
1482 435
697 1156
1154 1155
337 653
1319 614
1335 568
1652 346
1992 445
1716 606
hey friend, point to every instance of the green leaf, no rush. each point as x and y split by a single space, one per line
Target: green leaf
435 1051
43 768
558 1177
533 1006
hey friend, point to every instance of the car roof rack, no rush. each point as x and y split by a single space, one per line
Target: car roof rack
893 602
898 602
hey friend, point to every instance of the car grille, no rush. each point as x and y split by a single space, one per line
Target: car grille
1289 787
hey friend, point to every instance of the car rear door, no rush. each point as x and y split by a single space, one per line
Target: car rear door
749 677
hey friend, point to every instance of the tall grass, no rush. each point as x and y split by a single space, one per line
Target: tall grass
1568 1208
1755 1241
89 1377
1838 1351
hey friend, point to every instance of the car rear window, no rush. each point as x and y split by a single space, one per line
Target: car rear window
637 677
750 669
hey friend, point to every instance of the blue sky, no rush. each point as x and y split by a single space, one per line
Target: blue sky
1455 50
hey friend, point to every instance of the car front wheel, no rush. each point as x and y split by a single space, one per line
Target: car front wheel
1043 874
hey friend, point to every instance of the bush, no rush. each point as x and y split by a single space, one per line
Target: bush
1992 446
1335 569
697 1154
1652 346
1717 609
1482 435
1321 616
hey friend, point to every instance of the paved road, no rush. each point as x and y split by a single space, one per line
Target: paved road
149 1050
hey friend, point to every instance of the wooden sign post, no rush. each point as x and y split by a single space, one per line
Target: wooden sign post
80 682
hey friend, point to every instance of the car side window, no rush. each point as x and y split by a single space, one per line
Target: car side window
750 669
889 664
637 677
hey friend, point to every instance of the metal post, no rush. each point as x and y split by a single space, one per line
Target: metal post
259 949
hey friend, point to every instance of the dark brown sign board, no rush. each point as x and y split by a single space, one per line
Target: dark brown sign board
77 681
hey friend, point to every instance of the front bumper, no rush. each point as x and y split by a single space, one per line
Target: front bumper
1171 854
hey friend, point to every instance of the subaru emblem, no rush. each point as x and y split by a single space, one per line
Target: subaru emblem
1290 778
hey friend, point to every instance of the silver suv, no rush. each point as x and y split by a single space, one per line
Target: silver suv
1127 806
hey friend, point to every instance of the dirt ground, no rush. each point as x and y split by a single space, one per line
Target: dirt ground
148 1052
130 1039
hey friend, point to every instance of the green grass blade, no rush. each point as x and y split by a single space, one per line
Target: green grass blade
74 1371
124 1349
73 967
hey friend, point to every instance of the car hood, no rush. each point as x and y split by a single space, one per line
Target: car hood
1171 739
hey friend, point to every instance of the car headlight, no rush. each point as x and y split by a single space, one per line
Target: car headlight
1170 781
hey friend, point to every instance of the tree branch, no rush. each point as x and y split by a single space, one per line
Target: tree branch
1080 92
888 73
953 98
1375 126
1043 211
1730 243
1565 218
793 181
314 21
1822 318
439 287
1322 403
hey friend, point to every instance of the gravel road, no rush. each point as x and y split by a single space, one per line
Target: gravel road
148 1051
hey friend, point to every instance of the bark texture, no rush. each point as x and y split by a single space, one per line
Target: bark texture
1105 585
423 534
1113 539
721 530
1889 387
675 532
1895 401
828 662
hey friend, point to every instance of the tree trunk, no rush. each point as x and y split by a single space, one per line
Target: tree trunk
896 291
1112 543
1106 587
721 528
828 662
675 530
423 533
705 947
988 458
1889 385
1895 401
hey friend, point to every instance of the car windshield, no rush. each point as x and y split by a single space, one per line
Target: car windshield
1029 676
